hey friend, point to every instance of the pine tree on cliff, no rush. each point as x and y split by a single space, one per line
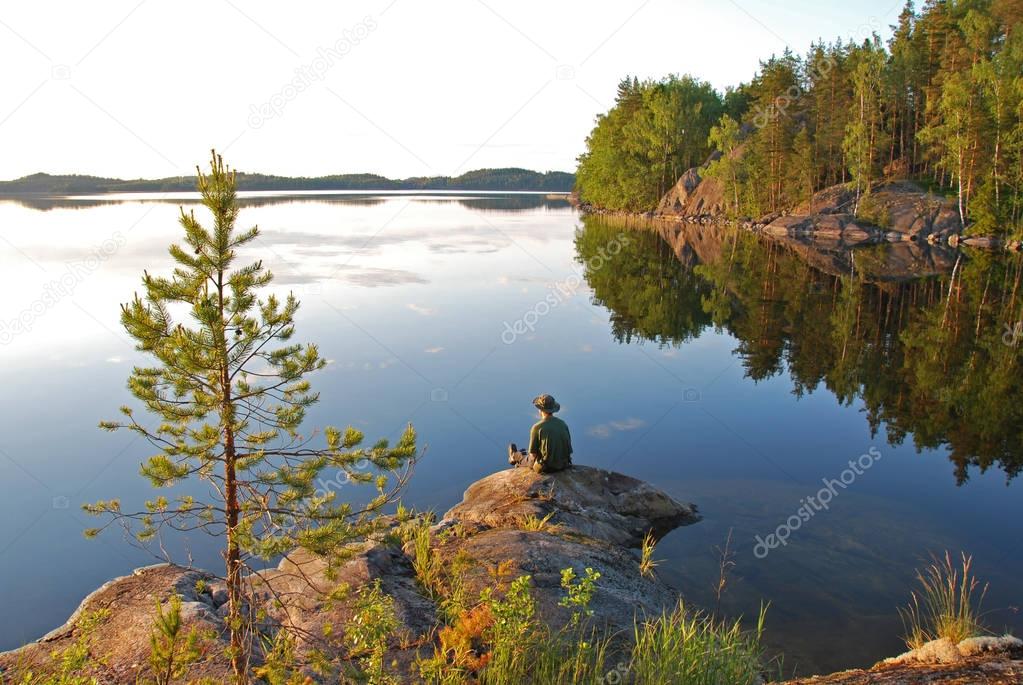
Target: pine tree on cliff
725 138
227 394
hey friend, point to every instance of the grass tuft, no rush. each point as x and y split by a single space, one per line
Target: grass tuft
647 563
695 649
426 562
947 604
535 524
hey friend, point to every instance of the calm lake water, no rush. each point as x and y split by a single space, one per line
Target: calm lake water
736 373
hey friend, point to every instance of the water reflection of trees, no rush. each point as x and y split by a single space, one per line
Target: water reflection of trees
930 357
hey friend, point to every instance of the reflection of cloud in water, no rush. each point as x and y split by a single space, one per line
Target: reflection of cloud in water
605 430
419 309
490 202
461 240
506 279
363 253
372 278
475 246
367 277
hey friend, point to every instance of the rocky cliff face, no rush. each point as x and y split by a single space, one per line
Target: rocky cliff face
694 196
596 517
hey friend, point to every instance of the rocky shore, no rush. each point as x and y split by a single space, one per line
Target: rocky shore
593 519
596 520
896 211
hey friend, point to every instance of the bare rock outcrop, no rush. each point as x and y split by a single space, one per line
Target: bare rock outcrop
120 641
593 503
898 207
693 196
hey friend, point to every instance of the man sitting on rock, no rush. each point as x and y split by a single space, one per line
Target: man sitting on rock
550 444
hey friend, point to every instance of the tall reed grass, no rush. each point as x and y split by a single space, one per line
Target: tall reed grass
947 603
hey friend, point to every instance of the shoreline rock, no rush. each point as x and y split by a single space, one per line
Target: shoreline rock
583 500
596 517
904 211
974 661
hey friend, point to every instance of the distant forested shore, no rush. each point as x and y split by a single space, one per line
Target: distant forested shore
940 104
507 179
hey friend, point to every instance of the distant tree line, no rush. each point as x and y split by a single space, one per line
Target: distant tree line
480 179
941 103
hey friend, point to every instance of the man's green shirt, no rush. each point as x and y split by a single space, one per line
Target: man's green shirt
550 440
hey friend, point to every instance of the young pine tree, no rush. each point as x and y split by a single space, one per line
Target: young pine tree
228 393
171 650
726 138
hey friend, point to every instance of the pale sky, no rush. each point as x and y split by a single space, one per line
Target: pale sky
396 87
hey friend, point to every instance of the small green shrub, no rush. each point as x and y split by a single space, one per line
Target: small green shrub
368 631
874 212
280 665
171 650
426 562
578 594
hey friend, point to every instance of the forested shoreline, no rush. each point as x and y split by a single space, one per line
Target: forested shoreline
941 103
509 179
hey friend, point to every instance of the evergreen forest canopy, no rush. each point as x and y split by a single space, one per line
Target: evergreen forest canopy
937 358
480 179
941 103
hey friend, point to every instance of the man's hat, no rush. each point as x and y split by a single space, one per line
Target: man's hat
546 403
